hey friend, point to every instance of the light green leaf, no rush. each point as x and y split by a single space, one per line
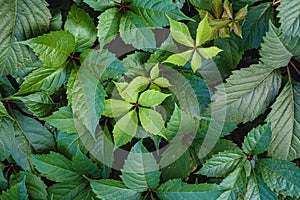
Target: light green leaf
138 84
246 93
62 120
140 170
17 191
108 25
100 5
155 11
154 73
221 164
75 190
130 96
180 59
112 189
55 167
53 48
281 176
70 84
21 20
3 111
151 120
43 79
6 138
151 98
40 103
273 52
176 189
285 115
125 129
180 32
115 108
209 52
289 14
162 82
135 30
80 24
134 63
203 31
196 61
257 140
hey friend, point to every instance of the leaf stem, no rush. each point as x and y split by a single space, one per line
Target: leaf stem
276 2
295 68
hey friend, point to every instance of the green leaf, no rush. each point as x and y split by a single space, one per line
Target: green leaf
75 190
280 175
53 48
180 32
289 14
100 5
209 52
257 140
151 98
68 143
21 20
3 111
17 191
155 11
196 61
176 189
40 103
112 189
135 30
138 84
108 25
70 85
3 181
80 24
273 52
154 73
162 82
125 129
55 167
140 170
255 27
88 99
115 108
134 63
246 93
221 164
62 120
285 115
6 138
180 59
43 79
203 31
151 120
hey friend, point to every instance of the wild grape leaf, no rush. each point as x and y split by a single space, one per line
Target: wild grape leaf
140 170
285 115
115 108
62 120
3 111
151 120
221 164
100 5
6 138
134 63
176 189
246 94
112 189
257 140
289 14
21 20
43 79
81 25
203 31
151 98
17 191
70 84
55 167
280 175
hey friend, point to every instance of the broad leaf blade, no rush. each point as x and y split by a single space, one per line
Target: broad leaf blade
151 98
289 14
140 170
3 111
180 59
100 5
6 138
115 108
17 191
151 120
203 31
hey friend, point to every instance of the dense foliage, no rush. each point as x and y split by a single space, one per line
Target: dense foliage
135 99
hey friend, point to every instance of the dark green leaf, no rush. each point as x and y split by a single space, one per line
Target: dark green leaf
6 138
3 111
100 5
17 191
3 181
68 143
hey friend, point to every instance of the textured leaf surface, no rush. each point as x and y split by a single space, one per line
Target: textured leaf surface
100 5
112 189
75 190
203 32
151 98
289 14
21 20
53 48
180 32
115 108
151 120
3 111
17 191
6 136
257 140
140 170
285 123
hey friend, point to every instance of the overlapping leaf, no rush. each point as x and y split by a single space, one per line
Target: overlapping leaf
289 14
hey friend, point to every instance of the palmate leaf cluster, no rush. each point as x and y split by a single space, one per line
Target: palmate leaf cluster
210 112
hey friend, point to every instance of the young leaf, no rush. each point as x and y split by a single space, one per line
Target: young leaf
151 120
285 115
115 108
53 48
154 73
203 32
280 175
222 164
55 167
112 189
162 82
100 5
180 32
140 170
138 84
209 52
21 20
289 12
151 98
257 140
196 61
62 120
180 59
176 189
125 129
80 24
17 191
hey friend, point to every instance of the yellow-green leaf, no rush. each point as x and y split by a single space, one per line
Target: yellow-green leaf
203 31
115 108
151 120
209 52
